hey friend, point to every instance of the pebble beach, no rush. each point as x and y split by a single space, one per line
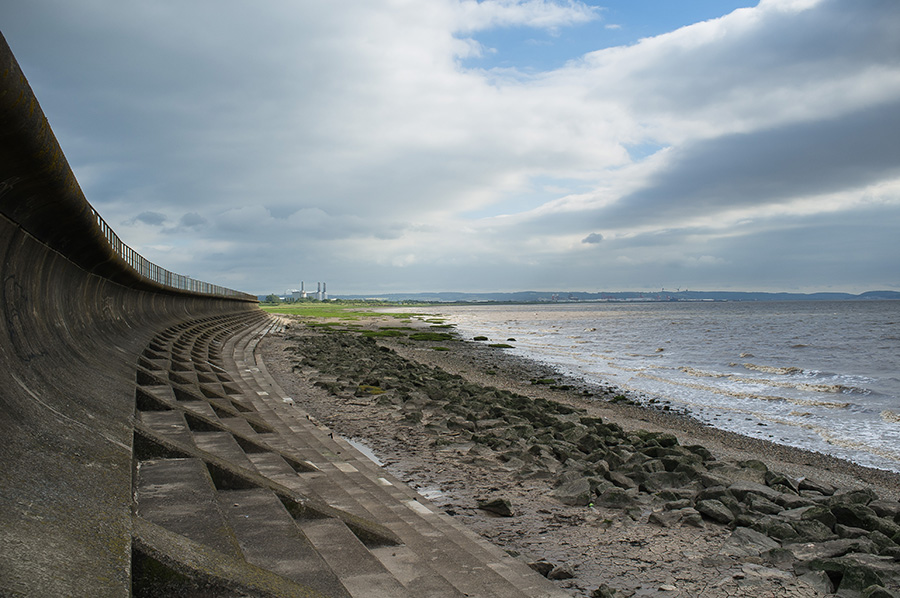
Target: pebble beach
605 497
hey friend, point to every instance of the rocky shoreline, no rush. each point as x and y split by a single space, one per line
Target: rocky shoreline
607 498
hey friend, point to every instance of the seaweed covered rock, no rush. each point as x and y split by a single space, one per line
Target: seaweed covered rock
848 539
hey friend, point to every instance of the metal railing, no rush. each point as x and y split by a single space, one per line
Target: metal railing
151 271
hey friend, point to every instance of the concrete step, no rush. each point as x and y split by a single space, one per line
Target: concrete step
269 538
168 424
223 445
359 571
178 494
201 407
437 557
358 486
239 425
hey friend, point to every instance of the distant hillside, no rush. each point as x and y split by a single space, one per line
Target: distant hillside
570 296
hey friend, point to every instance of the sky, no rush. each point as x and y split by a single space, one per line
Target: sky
499 145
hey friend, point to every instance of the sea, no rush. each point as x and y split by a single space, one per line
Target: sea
819 375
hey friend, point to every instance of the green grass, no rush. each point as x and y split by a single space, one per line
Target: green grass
344 311
431 336
382 333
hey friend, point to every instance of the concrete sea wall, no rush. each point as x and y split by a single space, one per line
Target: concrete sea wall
146 451
74 318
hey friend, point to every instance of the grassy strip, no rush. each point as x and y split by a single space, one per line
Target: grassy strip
343 311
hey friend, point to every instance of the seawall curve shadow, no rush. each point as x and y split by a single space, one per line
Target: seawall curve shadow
74 318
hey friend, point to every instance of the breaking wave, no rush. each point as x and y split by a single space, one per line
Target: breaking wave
807 386
747 395
768 369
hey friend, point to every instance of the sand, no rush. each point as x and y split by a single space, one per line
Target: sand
597 546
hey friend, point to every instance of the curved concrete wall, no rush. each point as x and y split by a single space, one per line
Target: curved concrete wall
74 318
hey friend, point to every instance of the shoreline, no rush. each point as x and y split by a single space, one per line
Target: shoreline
646 552
727 443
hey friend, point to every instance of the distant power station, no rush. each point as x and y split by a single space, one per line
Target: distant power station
321 294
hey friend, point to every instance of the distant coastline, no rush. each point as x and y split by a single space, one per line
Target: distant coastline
623 296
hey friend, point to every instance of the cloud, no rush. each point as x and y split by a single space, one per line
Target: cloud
540 14
192 220
768 166
151 218
356 140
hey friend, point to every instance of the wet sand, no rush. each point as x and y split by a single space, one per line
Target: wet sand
625 551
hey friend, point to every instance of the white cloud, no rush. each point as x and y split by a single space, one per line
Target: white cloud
355 138
541 14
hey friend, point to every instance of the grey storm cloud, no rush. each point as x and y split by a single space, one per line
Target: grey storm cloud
192 220
592 238
770 166
151 218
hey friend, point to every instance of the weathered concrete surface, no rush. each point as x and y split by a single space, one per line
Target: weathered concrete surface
69 341
144 451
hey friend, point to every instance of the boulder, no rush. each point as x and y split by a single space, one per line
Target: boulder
605 591
560 572
754 470
599 485
745 542
819 581
881 541
568 476
615 498
684 516
589 443
810 530
853 514
653 466
886 508
850 573
700 451
498 506
781 558
663 518
715 510
670 494
713 480
574 493
599 466
775 527
690 516
674 505
542 567
742 488
858 515
877 591
793 501
774 479
860 496
761 504
807 551
662 480
622 480
846 531
820 514
714 493
795 514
